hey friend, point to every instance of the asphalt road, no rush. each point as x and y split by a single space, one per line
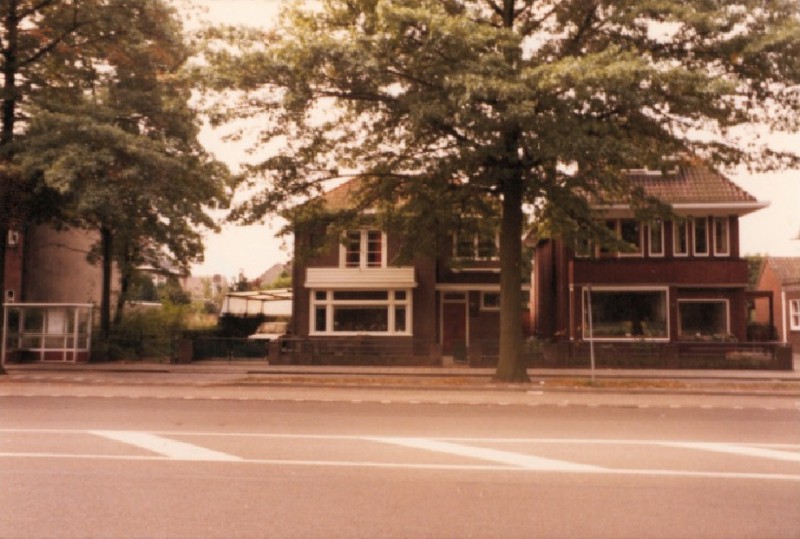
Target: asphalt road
199 467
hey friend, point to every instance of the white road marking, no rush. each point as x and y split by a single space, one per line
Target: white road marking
734 449
528 462
166 447
168 450
444 467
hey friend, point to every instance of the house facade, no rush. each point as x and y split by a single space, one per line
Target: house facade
676 280
352 292
781 277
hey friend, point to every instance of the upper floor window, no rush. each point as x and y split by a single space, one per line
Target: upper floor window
364 249
700 231
722 242
630 232
477 246
12 238
680 238
656 232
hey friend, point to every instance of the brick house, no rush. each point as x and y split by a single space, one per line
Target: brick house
679 280
352 292
781 277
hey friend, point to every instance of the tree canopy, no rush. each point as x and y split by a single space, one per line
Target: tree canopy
109 141
531 103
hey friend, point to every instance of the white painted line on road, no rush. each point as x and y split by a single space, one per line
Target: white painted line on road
164 446
444 467
733 449
528 462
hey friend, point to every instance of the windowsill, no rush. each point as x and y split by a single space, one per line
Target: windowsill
359 334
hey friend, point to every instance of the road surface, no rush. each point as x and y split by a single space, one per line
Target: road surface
78 467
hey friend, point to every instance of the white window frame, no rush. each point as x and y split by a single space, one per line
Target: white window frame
490 306
584 248
650 231
794 314
676 233
640 252
392 302
584 306
724 301
707 252
12 240
727 241
363 261
475 254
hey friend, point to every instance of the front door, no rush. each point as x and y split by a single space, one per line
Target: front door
454 325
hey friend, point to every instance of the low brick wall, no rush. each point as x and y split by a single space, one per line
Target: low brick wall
369 351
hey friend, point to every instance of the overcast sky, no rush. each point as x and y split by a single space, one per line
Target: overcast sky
254 249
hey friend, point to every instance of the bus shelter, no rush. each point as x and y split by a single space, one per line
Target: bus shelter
55 332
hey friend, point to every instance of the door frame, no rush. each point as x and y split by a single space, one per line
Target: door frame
457 297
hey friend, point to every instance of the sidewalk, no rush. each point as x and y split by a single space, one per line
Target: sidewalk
261 370
664 390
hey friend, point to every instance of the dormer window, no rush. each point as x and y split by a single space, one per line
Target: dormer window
364 249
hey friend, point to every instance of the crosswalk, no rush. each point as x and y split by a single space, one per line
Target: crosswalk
665 458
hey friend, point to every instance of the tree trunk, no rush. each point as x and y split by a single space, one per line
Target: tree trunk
511 363
106 246
3 246
125 279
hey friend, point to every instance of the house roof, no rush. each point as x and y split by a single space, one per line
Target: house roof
690 189
787 269
343 196
693 184
686 188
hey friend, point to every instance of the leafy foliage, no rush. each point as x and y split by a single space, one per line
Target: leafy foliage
109 139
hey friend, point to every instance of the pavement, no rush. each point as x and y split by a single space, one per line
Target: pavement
255 372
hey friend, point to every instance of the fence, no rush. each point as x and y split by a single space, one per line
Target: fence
644 354
408 351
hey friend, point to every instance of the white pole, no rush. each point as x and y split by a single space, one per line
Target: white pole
784 317
591 328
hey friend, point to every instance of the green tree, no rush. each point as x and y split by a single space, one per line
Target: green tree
441 104
35 36
119 151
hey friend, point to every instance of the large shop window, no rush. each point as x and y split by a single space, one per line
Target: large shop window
626 314
351 312
703 319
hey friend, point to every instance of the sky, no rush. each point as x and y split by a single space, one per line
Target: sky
252 250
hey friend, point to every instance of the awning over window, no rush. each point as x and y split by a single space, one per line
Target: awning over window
360 278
